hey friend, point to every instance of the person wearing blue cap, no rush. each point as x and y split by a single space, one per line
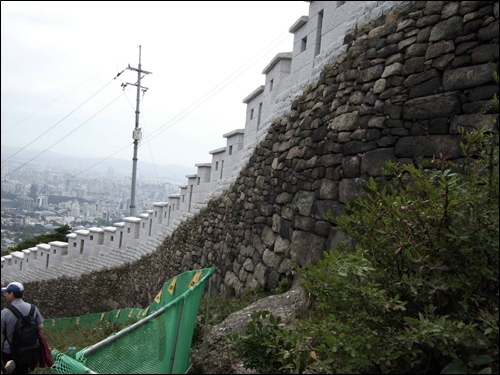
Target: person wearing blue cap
14 293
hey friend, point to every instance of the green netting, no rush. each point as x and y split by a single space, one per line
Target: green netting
158 343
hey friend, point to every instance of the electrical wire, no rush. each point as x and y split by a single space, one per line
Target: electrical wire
191 107
150 137
151 152
53 126
53 101
207 96
78 127
103 160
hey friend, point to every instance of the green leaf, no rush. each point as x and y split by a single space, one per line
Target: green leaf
480 360
486 370
409 255
455 367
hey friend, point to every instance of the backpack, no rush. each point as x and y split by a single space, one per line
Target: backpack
25 345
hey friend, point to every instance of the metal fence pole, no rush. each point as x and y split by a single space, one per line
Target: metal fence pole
179 318
205 342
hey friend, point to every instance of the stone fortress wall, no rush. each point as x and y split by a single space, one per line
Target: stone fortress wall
285 75
366 82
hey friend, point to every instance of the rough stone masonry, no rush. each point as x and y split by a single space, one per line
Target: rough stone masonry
407 82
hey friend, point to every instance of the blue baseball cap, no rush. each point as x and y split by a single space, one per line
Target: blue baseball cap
16 288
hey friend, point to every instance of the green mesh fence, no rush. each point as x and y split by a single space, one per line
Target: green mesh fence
158 343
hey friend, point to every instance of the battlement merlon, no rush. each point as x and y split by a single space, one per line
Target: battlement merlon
234 132
277 59
254 94
218 150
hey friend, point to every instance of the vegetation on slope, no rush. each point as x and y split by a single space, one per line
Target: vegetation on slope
59 234
80 337
417 289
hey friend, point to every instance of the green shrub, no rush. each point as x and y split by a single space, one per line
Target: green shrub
220 308
269 347
417 291
284 286
59 234
428 243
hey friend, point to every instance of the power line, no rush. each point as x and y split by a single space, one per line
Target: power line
194 106
103 160
150 137
48 148
74 88
53 126
151 151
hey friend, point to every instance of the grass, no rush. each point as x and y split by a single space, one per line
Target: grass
219 309
77 336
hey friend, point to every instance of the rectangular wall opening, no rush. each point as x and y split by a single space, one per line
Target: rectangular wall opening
317 48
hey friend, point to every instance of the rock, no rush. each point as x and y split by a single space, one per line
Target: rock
216 355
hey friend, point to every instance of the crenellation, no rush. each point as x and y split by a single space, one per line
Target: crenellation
365 82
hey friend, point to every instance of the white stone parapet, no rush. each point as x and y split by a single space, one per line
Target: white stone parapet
318 40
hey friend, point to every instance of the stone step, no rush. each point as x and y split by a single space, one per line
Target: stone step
77 268
105 260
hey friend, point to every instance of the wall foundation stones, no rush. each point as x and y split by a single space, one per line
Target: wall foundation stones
405 84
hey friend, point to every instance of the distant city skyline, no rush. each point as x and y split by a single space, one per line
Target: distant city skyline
60 88
79 166
48 195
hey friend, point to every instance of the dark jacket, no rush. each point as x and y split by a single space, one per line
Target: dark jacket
45 354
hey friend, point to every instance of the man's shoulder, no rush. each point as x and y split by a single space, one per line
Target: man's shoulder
18 304
6 310
7 315
21 306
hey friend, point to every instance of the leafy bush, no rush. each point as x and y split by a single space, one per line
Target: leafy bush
417 291
59 234
269 347
421 290
220 308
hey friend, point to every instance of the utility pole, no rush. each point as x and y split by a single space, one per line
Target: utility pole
136 134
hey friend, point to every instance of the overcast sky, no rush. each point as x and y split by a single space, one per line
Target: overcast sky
59 61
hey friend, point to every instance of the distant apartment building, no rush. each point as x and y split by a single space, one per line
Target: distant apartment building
24 203
75 209
42 201
33 191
